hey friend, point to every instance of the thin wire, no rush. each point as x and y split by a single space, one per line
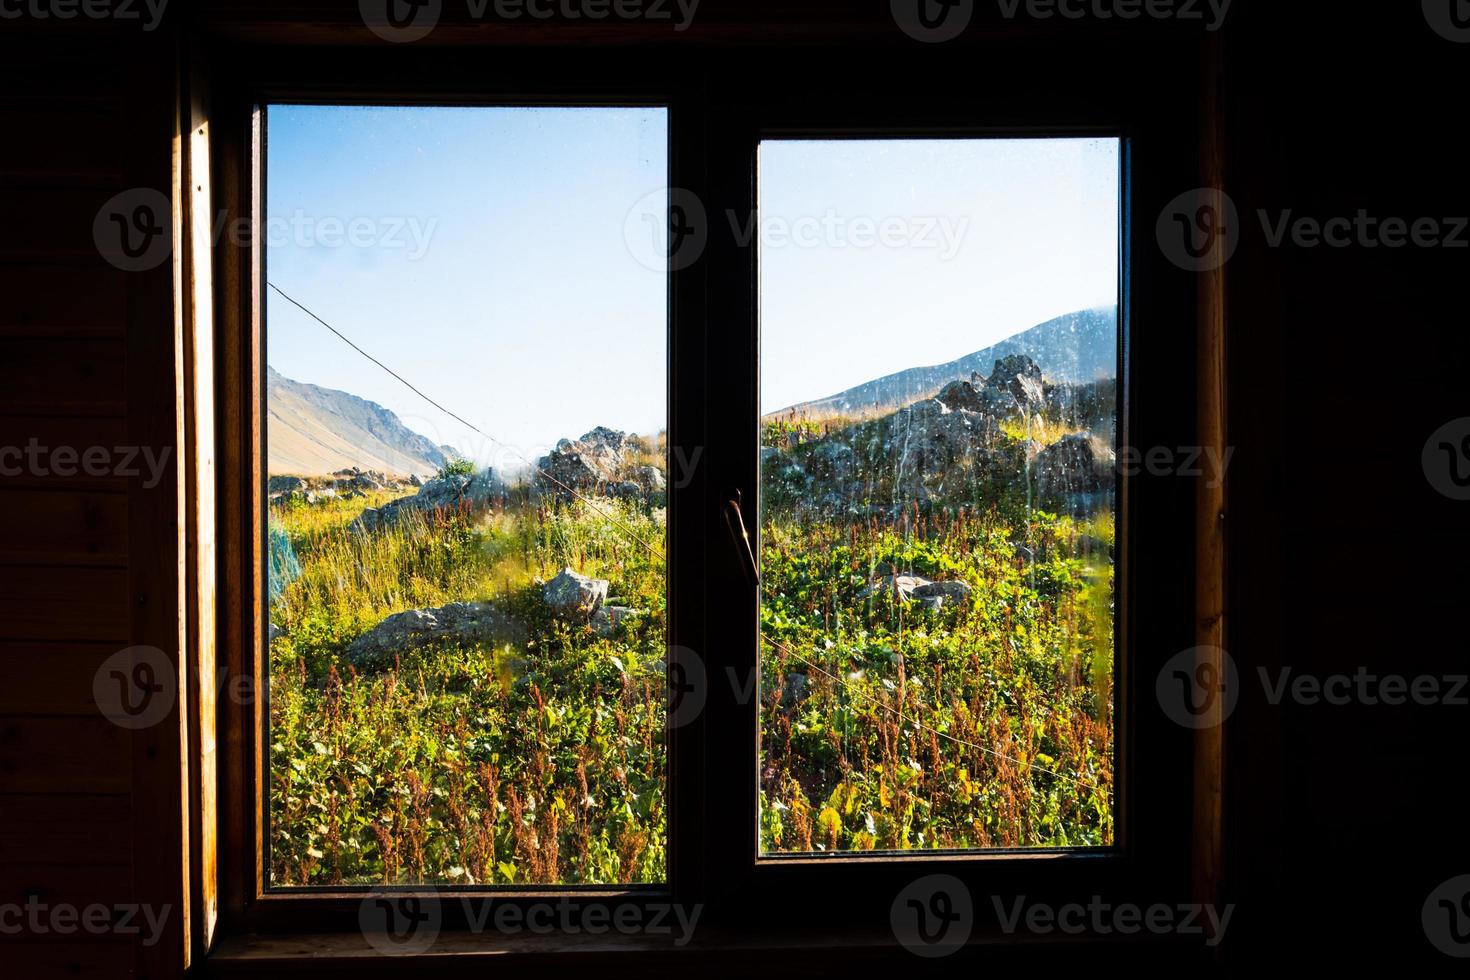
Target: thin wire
783 647
462 421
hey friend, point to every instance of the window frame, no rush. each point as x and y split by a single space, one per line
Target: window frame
715 124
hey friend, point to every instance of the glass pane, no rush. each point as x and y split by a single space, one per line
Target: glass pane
938 380
466 487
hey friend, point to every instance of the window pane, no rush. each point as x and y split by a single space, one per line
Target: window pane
466 497
938 380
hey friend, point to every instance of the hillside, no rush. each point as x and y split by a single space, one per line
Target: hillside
315 431
1076 348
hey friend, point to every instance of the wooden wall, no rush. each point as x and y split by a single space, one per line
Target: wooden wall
88 563
1336 821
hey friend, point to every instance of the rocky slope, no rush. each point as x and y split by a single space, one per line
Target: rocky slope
1074 349
313 431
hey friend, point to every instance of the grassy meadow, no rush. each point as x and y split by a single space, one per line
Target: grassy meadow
884 726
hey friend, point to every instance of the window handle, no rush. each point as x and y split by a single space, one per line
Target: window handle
735 521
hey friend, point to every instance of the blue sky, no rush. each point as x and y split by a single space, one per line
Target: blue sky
488 255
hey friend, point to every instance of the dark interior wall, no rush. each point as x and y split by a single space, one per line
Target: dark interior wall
1340 820
1344 362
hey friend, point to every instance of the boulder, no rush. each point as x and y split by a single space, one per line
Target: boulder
459 622
607 619
950 593
575 597
1075 470
584 464
442 494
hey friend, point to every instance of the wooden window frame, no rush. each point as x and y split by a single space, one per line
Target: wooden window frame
1167 781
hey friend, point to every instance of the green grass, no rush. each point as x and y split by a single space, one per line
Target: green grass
883 727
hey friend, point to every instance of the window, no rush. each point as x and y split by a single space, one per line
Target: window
929 658
939 351
466 445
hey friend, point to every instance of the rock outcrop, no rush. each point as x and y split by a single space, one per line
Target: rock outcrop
441 495
459 622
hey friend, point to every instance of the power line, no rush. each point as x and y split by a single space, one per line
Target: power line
462 421
657 553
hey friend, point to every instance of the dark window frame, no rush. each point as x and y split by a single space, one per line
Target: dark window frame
715 122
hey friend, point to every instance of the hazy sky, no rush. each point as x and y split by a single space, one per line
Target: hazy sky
499 259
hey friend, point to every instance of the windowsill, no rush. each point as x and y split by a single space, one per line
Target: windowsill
717 949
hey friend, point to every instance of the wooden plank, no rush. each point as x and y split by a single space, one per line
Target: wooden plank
58 221
76 957
64 603
61 135
63 376
155 392
54 678
65 830
77 300
56 525
44 754
64 885
1210 512
201 554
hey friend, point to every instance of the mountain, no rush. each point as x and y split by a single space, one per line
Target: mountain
315 431
1075 348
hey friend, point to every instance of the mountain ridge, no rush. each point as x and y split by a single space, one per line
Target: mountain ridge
1073 348
317 431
